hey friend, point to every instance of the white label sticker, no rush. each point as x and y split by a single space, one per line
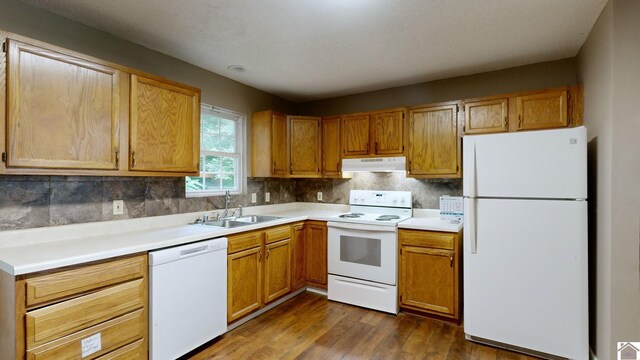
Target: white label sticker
91 345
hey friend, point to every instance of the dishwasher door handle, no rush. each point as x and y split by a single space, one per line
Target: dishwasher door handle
194 250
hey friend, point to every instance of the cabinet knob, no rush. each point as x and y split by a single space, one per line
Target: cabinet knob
260 256
133 159
506 121
117 158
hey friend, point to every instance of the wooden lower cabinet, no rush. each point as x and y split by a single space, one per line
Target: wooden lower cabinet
244 282
277 270
316 252
430 273
258 269
298 263
56 310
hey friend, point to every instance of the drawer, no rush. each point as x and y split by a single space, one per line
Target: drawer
427 238
277 233
244 241
55 321
135 351
45 288
113 335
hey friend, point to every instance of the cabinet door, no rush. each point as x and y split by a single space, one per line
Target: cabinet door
298 266
355 135
331 166
305 146
434 142
63 112
486 116
244 283
279 145
542 111
164 127
316 246
389 133
427 279
277 270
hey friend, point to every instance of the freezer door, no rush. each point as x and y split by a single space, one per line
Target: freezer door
526 284
548 164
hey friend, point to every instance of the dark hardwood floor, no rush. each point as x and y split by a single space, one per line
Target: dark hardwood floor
311 327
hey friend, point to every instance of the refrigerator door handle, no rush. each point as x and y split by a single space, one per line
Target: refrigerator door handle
473 182
473 239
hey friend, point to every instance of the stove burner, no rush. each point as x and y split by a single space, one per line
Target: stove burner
387 217
351 215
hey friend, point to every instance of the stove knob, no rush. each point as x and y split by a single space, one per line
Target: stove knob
402 200
395 200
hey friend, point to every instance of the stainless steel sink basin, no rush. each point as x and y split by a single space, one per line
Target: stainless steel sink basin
227 223
257 218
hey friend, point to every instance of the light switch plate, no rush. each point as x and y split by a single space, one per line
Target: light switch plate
267 197
319 195
254 198
118 207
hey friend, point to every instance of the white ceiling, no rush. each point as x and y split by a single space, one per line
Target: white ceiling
306 50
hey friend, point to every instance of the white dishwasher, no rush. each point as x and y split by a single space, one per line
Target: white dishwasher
187 297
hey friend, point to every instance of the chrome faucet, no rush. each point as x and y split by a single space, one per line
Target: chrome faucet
227 199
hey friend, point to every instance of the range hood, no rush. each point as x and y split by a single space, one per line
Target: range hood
382 164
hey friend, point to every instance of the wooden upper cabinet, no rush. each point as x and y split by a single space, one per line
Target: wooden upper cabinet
279 145
63 111
533 110
304 136
542 111
388 136
331 159
269 145
164 126
486 116
434 142
355 135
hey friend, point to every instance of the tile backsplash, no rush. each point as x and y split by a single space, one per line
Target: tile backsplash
36 201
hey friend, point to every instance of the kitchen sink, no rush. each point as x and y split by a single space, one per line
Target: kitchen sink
240 221
227 223
257 218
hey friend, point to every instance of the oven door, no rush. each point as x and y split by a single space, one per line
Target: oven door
361 251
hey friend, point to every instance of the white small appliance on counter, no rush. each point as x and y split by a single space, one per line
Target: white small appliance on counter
525 241
187 297
363 249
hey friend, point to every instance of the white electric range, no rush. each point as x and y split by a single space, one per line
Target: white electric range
363 249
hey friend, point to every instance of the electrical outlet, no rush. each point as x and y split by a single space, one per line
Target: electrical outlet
319 195
267 197
118 207
254 198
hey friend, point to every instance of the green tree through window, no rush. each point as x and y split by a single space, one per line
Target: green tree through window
220 155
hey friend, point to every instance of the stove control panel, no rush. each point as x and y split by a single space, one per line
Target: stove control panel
381 198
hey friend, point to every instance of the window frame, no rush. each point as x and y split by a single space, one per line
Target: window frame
240 120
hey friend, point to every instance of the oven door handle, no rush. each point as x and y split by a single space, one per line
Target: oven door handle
361 227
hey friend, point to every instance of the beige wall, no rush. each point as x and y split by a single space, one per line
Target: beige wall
523 78
625 186
595 73
609 68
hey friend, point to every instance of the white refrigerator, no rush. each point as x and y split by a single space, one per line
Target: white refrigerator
525 241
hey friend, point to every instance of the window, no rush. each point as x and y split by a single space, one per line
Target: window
220 153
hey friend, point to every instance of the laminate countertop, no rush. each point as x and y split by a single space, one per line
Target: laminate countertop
31 250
